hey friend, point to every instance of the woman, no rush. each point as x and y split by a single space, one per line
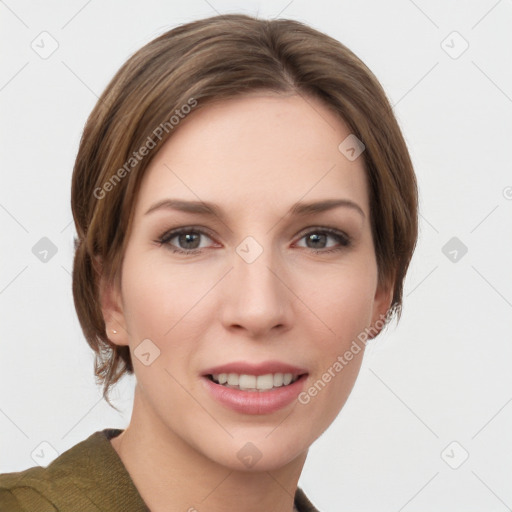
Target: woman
246 211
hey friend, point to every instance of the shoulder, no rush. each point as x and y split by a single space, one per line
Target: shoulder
8 502
73 481
22 491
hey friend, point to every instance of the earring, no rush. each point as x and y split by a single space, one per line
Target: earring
114 331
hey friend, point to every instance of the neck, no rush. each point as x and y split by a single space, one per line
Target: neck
170 474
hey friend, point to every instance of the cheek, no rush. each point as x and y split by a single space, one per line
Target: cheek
343 299
157 296
345 306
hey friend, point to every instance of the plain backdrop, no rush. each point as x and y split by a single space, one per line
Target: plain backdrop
428 424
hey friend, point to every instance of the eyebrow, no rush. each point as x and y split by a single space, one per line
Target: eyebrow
211 209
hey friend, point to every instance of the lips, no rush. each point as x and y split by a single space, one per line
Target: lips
245 368
250 388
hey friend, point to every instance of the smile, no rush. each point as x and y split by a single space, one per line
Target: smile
252 388
245 382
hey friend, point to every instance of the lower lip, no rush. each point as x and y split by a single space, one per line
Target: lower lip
255 402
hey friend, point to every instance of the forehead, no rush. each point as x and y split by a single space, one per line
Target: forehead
261 149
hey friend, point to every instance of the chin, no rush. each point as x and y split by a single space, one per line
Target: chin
254 450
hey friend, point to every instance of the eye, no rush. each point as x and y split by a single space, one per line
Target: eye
319 236
188 238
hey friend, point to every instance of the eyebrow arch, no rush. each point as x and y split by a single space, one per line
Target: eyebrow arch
210 209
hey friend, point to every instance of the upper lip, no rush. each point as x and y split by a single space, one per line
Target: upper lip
264 368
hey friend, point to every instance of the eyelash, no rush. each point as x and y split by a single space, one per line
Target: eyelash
344 240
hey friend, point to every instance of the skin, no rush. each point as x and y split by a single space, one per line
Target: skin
255 157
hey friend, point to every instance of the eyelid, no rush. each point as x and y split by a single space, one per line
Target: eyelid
343 239
323 229
171 233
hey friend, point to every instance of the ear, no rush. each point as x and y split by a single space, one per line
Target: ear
381 304
112 310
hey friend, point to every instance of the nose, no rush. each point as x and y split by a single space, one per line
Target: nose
255 297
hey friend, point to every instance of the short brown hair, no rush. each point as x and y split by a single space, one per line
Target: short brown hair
208 60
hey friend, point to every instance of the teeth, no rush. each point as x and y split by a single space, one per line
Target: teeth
265 381
247 382
278 380
233 379
254 383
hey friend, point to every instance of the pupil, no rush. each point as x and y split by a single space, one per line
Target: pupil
315 237
188 238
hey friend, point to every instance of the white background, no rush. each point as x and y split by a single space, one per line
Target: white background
442 375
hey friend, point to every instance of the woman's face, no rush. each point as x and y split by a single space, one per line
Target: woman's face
262 287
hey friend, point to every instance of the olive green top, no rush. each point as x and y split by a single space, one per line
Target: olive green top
89 477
